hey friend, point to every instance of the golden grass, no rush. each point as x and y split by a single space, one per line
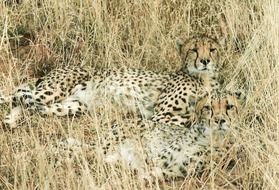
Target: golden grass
141 34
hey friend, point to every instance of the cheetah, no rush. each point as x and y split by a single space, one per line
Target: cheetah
73 91
177 151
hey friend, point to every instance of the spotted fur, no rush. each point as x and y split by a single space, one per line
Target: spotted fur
73 91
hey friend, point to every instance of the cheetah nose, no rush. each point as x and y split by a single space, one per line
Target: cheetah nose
222 121
205 61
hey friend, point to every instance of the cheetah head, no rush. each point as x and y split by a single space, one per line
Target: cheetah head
220 110
200 54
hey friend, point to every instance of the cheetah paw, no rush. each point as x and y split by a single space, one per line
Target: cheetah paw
43 110
10 122
112 158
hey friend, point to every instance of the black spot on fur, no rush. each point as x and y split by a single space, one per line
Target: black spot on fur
168 113
22 90
38 100
38 82
48 93
177 109
166 164
42 97
183 171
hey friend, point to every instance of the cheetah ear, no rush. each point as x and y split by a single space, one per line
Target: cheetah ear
182 46
240 96
178 44
192 101
222 42
223 23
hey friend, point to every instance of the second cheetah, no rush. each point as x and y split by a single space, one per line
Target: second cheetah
177 151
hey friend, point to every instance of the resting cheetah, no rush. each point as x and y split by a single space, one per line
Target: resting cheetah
175 151
72 91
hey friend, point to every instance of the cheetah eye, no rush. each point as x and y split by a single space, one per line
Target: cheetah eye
229 107
207 107
194 50
212 49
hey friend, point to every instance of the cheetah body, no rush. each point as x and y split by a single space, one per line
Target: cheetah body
72 91
179 150
154 148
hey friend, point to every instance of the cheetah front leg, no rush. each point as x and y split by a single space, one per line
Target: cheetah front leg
128 152
70 107
13 117
21 99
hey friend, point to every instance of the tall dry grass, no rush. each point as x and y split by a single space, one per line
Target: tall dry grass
37 36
